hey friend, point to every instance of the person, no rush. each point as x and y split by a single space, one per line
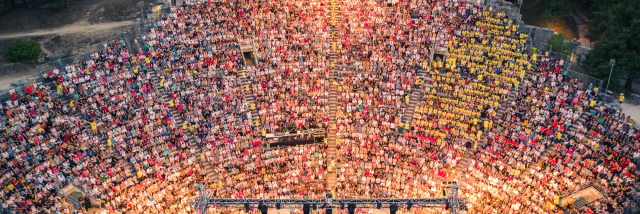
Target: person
138 130
570 203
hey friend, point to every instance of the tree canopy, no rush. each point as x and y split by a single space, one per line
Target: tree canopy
616 28
547 14
558 43
548 8
23 51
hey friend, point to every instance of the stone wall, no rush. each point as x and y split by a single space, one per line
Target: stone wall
504 6
537 36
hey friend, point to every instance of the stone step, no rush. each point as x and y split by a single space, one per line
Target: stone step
581 202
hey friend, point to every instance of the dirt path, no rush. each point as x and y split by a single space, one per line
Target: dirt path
581 17
12 72
78 27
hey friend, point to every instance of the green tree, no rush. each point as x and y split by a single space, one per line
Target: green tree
6 3
559 8
23 51
540 12
558 44
616 28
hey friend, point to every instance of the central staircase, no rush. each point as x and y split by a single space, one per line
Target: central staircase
332 158
423 83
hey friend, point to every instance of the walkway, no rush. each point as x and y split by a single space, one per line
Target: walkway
422 84
332 158
78 27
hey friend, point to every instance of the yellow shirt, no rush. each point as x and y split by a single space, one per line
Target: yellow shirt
559 135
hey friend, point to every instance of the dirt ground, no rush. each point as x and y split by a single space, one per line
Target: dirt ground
12 72
79 27
64 32
82 43
24 19
116 10
84 20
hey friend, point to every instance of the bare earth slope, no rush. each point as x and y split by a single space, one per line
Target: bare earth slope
78 27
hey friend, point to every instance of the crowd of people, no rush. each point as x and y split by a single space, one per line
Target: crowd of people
385 51
540 152
288 81
136 127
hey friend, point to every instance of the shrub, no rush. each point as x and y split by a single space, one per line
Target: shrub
558 43
21 51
